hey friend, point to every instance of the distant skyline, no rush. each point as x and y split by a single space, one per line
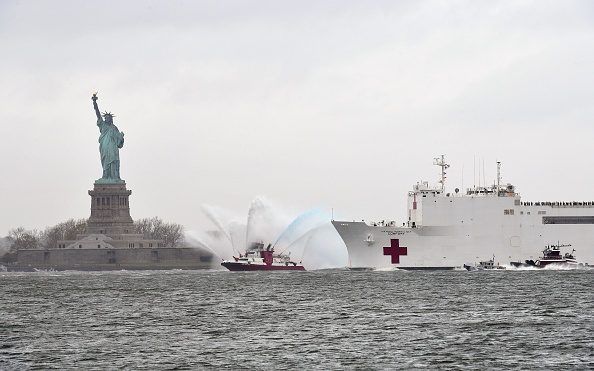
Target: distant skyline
336 105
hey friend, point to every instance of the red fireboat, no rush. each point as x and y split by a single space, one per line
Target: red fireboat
552 255
258 258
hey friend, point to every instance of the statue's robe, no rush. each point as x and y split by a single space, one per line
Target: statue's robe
110 141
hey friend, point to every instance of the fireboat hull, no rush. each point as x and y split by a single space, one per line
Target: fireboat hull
243 267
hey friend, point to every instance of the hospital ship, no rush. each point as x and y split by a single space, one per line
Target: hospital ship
446 230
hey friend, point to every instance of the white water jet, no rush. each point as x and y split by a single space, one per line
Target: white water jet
309 238
237 232
213 241
324 249
264 223
215 218
299 227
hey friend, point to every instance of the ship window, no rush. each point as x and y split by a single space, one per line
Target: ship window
528 212
98 246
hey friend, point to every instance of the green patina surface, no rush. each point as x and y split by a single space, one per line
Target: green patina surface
110 142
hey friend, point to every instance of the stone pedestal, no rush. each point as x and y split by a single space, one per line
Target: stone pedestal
110 210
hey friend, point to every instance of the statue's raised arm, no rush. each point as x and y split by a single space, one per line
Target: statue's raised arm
94 98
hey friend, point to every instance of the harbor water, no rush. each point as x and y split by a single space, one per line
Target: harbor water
316 320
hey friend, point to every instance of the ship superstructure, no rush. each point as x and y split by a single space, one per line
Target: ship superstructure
445 230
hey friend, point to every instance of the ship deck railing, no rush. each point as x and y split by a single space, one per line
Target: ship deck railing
384 223
560 204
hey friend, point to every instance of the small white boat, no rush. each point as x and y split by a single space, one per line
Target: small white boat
484 265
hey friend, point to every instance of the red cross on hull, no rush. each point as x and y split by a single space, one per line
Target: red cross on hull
395 250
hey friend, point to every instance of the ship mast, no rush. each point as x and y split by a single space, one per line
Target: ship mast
440 161
498 177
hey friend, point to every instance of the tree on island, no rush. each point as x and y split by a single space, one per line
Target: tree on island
155 229
19 238
24 239
152 228
65 231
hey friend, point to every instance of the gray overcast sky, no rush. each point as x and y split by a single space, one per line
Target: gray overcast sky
309 104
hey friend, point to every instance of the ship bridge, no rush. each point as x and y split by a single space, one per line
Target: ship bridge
433 202
432 205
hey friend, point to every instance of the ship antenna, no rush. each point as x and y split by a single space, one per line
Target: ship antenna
440 161
498 177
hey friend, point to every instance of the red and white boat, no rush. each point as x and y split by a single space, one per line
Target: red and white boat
552 255
258 258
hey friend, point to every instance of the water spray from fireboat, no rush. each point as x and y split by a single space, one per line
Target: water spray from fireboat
309 238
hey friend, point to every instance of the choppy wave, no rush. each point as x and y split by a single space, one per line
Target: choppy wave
324 319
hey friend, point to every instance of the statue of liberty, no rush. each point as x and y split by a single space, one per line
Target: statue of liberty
110 142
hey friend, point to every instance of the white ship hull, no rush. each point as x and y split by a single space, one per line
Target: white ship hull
446 231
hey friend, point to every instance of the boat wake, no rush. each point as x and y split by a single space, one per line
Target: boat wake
552 267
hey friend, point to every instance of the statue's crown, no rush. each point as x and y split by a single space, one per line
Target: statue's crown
105 114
